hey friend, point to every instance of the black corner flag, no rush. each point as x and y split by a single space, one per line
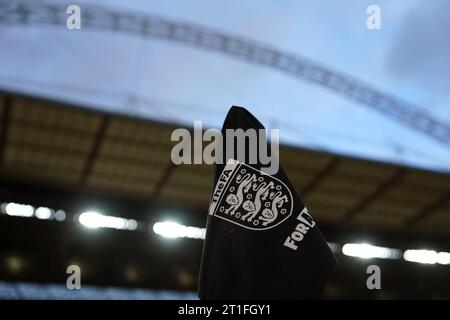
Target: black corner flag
261 242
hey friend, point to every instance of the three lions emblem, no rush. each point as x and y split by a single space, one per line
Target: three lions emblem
250 198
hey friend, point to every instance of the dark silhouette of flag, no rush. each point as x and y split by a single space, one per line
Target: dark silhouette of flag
261 242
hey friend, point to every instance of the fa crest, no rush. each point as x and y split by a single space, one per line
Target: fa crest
250 198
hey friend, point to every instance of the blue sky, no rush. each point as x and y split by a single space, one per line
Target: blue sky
407 58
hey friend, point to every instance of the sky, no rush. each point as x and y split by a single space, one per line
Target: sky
407 58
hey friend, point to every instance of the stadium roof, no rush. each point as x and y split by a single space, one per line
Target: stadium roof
181 63
50 143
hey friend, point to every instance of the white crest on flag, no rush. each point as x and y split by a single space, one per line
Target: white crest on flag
250 198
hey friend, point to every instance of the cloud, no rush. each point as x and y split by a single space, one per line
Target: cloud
421 50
